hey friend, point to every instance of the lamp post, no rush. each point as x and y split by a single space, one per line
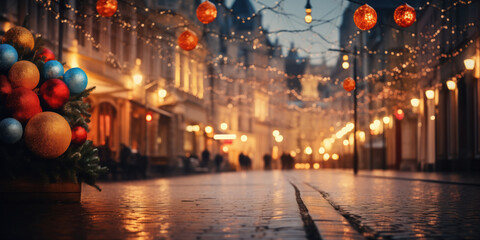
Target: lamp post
355 152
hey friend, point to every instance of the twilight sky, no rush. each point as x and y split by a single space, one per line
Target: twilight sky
310 42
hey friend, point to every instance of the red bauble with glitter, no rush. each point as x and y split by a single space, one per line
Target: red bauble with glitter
365 17
79 135
188 40
106 8
349 84
404 15
45 54
23 104
206 12
54 93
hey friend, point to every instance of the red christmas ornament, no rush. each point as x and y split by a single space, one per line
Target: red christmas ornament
188 40
349 84
5 87
206 12
404 15
106 8
45 54
79 135
23 104
55 93
365 17
399 114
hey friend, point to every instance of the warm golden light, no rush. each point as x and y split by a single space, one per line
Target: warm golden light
307 165
316 166
469 63
335 156
430 94
279 139
326 156
225 149
345 57
345 65
162 93
308 150
432 117
275 133
415 102
137 78
223 126
451 85
243 138
208 129
361 135
308 18
345 142
148 117
321 150
386 120
293 153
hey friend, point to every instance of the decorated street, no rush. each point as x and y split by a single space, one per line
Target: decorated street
261 205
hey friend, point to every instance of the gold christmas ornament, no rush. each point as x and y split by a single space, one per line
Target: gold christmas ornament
24 74
20 38
48 135
106 8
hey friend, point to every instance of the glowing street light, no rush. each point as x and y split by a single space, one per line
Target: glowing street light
162 93
345 65
415 102
308 150
451 85
279 138
335 156
223 126
469 63
430 94
386 120
321 150
243 138
275 133
137 78
208 129
308 12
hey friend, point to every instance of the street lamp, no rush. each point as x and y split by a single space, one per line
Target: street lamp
137 78
354 95
308 12
415 102
469 63
223 126
451 85
430 94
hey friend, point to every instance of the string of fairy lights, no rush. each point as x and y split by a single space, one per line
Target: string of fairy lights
170 40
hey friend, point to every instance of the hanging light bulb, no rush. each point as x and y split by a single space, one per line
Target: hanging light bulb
308 12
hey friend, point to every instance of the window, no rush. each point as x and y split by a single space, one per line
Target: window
106 120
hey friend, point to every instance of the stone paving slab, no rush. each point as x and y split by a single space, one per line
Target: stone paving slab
330 223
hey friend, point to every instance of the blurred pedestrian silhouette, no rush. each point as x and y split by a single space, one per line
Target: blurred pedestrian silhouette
105 155
218 162
287 161
242 161
267 161
205 158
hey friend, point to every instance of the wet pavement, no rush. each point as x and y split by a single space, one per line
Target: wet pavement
260 205
396 205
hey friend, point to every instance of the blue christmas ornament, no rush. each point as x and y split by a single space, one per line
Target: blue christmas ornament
76 80
11 130
8 56
52 69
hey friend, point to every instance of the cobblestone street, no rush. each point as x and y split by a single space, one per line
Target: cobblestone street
260 205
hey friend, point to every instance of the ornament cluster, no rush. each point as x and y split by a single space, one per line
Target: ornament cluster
32 94
365 17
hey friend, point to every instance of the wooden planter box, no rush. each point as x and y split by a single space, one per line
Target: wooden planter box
30 191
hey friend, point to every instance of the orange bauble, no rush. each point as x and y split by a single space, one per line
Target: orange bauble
20 38
365 17
206 12
404 15
188 40
349 84
48 135
24 74
106 8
